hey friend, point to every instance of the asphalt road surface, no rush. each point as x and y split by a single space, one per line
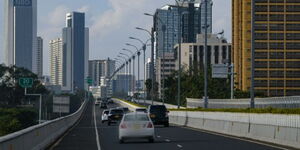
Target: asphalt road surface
84 136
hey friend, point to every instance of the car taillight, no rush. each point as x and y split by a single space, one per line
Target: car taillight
150 125
123 126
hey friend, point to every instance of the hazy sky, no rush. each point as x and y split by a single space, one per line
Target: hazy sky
111 22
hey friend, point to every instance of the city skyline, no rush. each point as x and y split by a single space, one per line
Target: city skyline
51 20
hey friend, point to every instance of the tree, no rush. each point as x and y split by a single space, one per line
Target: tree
11 93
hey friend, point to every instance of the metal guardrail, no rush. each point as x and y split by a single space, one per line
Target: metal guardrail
275 102
40 136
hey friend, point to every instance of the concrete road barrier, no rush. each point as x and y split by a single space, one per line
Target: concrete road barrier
272 128
40 136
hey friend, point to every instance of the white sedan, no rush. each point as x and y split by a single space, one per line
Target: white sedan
136 125
104 116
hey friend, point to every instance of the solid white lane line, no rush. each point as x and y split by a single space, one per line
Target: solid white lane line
180 146
96 130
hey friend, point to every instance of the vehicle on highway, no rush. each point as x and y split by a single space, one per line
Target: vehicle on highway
115 115
110 101
103 105
97 102
159 114
125 109
144 110
136 125
104 116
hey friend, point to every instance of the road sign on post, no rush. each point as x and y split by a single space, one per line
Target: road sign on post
89 81
220 71
26 82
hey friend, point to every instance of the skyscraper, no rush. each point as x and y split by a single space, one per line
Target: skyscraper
56 61
101 68
192 23
75 52
39 59
20 33
277 48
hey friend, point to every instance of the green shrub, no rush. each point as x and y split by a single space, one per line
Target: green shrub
15 119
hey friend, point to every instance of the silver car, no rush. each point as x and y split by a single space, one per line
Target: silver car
104 116
136 125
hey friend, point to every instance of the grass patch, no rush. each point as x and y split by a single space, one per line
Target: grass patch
132 103
269 110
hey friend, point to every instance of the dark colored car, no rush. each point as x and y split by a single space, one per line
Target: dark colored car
115 115
103 105
159 114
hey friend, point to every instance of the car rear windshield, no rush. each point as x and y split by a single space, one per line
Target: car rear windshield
137 117
158 109
106 112
117 111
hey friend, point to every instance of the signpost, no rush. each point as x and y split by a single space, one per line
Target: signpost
220 71
61 104
27 83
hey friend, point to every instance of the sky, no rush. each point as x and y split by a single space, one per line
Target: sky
111 22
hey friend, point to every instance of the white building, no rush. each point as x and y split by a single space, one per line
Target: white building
56 61
20 33
148 69
218 51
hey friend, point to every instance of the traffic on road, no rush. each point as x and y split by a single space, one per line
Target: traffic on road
118 128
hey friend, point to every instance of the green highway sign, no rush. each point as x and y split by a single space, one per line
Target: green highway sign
89 81
26 82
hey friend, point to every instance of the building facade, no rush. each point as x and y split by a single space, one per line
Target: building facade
277 48
39 59
20 33
148 69
123 84
56 61
192 24
101 68
192 54
75 52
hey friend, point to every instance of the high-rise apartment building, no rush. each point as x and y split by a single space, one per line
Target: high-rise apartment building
56 61
277 48
75 52
192 23
148 69
100 68
39 58
20 33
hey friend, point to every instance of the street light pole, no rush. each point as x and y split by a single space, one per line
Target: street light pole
179 51
152 60
144 50
252 101
205 58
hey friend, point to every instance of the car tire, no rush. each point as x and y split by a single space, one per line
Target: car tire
121 141
151 140
167 124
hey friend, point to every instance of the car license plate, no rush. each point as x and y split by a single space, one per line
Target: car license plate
116 116
152 116
136 127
